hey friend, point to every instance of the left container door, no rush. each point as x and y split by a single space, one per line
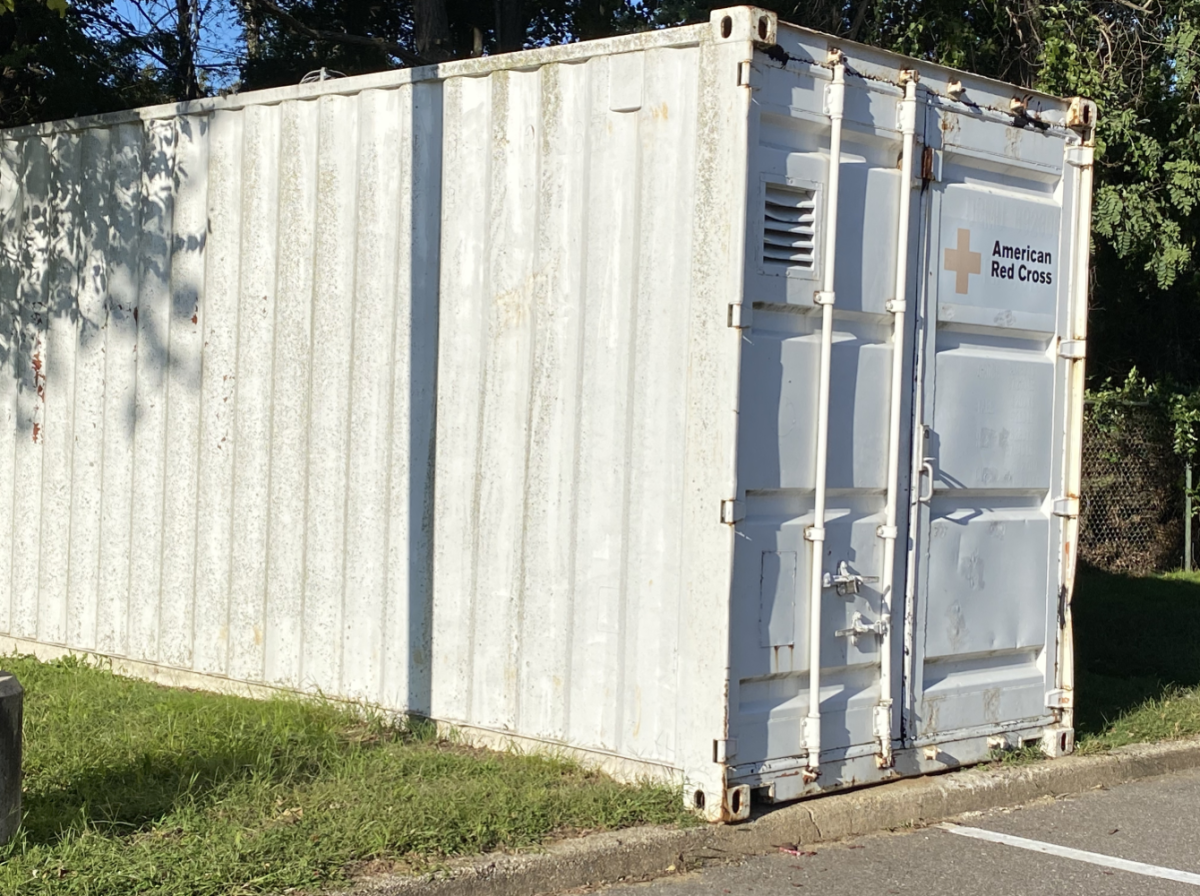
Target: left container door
777 429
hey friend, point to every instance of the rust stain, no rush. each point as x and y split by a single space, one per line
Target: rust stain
36 430
39 376
194 319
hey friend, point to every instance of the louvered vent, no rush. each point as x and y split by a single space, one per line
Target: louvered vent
790 227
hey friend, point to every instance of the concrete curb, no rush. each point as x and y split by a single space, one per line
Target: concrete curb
646 852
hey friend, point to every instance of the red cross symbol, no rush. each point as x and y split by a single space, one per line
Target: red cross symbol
963 261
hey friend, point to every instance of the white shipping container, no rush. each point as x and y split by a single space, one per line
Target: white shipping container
705 401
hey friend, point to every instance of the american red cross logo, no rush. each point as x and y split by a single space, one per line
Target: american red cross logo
963 262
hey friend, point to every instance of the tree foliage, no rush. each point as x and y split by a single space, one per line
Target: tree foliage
1177 406
175 41
53 64
1137 60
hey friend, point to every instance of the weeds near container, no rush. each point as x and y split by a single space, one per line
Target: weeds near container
134 788
1174 715
1015 756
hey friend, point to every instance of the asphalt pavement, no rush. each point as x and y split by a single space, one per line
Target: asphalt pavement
1133 840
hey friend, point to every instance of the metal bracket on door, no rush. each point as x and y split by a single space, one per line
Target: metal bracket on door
1060 698
859 627
732 511
846 582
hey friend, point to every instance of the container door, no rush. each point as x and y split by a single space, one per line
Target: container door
989 421
778 414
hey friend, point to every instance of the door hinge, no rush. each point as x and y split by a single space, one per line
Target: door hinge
732 511
930 169
1081 156
744 70
740 316
1059 699
724 750
1068 507
1073 349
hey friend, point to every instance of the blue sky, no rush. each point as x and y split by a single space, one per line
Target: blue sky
220 37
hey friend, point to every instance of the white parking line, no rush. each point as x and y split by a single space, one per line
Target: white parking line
1079 855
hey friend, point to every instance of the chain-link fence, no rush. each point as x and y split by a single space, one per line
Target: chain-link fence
1131 513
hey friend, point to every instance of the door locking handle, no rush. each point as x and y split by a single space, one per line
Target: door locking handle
859 627
926 471
846 582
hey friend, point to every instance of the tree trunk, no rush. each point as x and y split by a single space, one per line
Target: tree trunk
432 26
510 26
185 20
252 26
860 15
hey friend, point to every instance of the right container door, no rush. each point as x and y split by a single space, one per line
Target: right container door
982 616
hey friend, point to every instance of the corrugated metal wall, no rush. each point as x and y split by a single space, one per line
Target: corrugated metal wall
219 357
587 401
563 384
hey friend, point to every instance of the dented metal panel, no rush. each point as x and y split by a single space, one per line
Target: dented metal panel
995 397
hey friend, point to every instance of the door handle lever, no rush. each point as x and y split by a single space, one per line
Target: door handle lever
846 582
926 473
859 627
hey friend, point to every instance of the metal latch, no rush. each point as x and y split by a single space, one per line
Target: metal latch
1059 699
846 582
859 627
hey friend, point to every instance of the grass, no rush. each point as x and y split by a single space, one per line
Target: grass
1137 658
133 788
1018 755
